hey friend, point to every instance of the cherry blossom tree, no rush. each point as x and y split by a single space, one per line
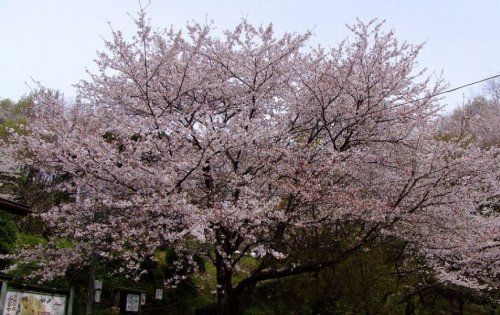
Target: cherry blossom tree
477 120
233 146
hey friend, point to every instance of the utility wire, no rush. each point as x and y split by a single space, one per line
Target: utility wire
451 90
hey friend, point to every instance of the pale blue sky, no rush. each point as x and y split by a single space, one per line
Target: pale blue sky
53 41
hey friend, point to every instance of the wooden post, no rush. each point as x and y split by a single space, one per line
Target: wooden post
91 289
3 294
70 301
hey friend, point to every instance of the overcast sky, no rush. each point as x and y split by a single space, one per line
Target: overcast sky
53 41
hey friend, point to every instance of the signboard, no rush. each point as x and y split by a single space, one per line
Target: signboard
98 285
143 299
20 303
159 294
97 296
133 301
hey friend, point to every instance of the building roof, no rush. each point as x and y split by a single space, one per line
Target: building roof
14 207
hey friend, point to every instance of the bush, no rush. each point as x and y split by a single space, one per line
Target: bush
8 235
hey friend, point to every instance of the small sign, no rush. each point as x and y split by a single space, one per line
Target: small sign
98 285
159 294
143 299
133 301
97 296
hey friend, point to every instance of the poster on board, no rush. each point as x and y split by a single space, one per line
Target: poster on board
24 303
133 301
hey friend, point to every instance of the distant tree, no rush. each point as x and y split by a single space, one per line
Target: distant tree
236 147
13 114
23 183
476 121
12 117
493 90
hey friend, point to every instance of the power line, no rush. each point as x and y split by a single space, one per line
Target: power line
452 90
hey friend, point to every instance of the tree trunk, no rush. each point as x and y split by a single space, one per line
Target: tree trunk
410 306
232 306
231 301
461 304
227 299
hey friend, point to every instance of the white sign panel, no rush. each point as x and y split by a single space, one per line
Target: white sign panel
98 285
143 299
159 294
20 303
97 296
133 301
